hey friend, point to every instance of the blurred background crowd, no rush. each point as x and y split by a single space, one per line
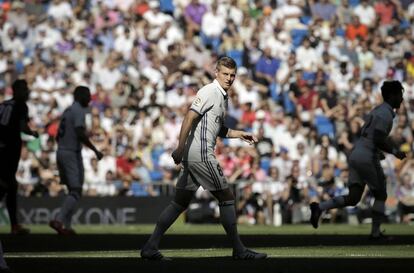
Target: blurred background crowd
308 73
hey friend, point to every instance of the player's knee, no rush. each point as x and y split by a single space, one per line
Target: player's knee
181 202
76 193
183 199
380 195
223 195
352 199
226 203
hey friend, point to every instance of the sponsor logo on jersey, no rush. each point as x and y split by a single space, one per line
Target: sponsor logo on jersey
197 101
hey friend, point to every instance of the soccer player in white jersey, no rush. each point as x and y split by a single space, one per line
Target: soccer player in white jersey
203 123
70 138
364 161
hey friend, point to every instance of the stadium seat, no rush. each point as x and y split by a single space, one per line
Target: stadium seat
273 87
353 3
297 36
305 20
237 55
155 155
265 164
156 175
309 76
324 126
138 189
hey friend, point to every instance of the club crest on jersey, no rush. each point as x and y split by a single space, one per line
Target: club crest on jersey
197 102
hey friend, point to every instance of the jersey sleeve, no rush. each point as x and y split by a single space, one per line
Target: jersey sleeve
202 103
383 124
79 118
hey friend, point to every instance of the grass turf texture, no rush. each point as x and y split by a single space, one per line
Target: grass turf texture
399 251
181 228
204 248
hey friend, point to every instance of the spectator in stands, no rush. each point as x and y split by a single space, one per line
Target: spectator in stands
405 196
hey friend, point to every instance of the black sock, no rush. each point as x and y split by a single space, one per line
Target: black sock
378 213
11 203
229 221
166 219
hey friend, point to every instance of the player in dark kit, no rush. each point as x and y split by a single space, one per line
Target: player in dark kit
13 120
364 161
71 136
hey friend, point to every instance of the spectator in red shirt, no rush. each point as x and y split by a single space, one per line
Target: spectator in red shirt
307 103
356 29
385 10
248 116
125 163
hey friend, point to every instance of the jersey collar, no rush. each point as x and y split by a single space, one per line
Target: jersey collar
389 107
224 93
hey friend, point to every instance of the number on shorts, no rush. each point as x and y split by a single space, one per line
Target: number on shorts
219 170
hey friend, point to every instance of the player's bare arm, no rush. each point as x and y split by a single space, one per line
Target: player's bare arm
387 145
190 118
27 130
80 132
245 136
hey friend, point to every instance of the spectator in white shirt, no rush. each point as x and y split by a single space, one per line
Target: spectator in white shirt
212 25
366 13
60 10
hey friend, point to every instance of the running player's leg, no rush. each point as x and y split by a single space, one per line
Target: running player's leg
377 185
70 175
356 188
11 200
69 206
3 264
351 199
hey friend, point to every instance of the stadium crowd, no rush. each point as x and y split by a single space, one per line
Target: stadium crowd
308 73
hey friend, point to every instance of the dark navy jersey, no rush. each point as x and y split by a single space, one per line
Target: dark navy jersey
12 115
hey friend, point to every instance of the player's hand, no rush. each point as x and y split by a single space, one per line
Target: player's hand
400 155
99 155
248 137
177 155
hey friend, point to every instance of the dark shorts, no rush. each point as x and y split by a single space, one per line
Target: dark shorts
363 171
9 162
70 167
